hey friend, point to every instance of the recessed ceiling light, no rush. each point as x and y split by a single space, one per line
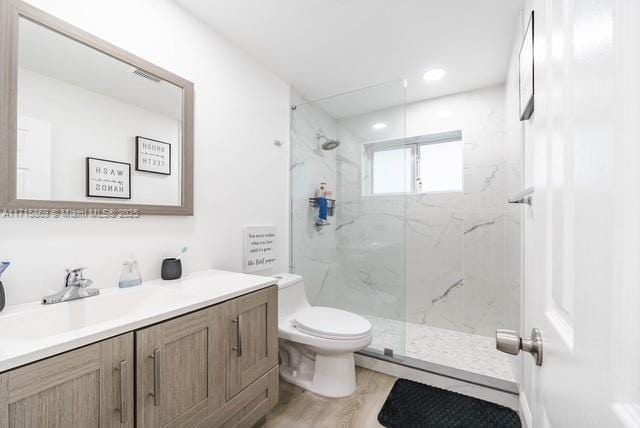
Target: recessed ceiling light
433 75
379 125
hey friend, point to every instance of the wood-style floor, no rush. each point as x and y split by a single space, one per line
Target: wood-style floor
299 408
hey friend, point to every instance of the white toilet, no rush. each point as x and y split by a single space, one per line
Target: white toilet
317 343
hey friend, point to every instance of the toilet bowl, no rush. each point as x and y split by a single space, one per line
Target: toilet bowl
316 344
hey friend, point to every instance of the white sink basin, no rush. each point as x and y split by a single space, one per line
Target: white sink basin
33 331
46 321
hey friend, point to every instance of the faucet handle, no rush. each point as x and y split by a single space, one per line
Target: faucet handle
74 277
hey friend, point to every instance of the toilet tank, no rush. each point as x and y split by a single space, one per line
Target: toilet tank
291 295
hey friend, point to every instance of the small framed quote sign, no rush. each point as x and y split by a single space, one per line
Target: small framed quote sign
153 156
259 247
527 91
108 179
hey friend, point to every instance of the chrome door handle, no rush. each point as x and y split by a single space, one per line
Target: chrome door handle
510 342
124 375
156 376
524 197
238 347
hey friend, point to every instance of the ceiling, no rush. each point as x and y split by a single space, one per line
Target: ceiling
326 47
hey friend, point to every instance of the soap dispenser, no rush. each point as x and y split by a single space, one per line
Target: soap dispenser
130 275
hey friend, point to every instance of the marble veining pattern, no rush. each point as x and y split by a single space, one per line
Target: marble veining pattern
451 272
448 261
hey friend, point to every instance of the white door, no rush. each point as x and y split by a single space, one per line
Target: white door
582 234
33 159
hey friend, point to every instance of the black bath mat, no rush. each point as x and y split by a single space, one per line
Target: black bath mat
414 405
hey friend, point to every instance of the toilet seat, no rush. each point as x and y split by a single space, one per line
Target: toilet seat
330 323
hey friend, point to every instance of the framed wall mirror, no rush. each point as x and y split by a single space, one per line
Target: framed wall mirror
87 125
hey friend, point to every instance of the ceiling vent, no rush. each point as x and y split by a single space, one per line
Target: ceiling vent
140 72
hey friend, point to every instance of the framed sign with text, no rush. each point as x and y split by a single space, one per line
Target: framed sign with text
153 156
259 248
108 179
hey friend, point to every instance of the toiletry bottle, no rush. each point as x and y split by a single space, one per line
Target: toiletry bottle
3 266
130 275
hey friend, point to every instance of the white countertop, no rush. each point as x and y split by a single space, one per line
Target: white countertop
32 331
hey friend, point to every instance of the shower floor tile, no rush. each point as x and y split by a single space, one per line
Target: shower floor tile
463 351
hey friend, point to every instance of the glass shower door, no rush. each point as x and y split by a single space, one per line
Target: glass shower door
356 260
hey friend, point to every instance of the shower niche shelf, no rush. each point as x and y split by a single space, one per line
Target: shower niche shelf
331 205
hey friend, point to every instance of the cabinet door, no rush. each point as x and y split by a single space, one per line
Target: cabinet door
253 327
87 387
175 368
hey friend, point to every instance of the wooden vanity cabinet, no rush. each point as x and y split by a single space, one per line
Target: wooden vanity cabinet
249 388
87 387
213 367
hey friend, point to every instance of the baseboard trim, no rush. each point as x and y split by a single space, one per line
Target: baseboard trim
503 398
525 411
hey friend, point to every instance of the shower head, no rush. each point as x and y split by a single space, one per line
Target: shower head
328 144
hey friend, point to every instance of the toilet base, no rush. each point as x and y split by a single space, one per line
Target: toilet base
329 375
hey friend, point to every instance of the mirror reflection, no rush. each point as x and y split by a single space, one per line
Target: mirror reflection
92 128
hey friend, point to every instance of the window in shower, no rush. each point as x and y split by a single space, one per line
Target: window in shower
424 164
392 170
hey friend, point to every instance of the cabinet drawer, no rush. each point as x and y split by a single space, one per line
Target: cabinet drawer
250 405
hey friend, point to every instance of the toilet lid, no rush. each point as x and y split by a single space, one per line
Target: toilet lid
330 323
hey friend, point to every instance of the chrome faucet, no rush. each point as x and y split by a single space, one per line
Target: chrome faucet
76 286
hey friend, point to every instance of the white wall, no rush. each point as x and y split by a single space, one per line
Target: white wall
514 162
79 129
240 176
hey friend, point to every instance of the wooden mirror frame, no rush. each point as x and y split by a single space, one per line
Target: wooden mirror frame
10 13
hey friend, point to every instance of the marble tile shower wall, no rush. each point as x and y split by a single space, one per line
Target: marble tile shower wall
370 240
313 252
449 270
433 258
344 275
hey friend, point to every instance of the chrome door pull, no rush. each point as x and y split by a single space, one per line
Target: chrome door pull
124 375
524 197
156 376
510 342
238 347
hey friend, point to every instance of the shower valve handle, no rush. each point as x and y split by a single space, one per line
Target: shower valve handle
510 342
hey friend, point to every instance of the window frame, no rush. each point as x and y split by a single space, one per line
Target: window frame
414 144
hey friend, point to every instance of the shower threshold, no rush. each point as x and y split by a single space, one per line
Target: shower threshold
462 356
